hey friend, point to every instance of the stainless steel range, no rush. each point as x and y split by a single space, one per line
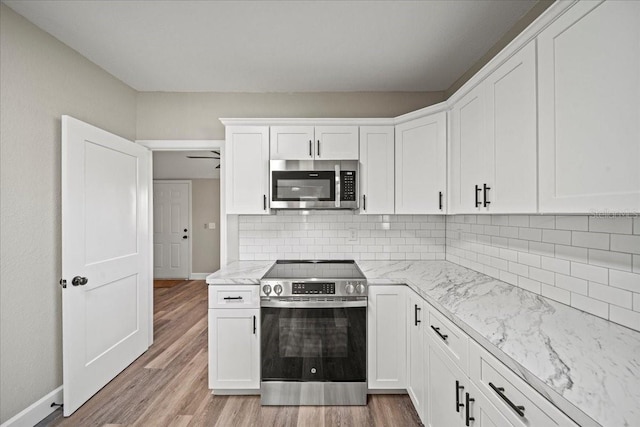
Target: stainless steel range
314 334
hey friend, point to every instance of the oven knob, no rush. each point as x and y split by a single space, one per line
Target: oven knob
360 288
349 288
266 289
277 289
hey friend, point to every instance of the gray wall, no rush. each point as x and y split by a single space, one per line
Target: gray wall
40 79
206 208
163 115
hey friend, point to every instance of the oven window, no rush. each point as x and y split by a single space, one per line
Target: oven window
313 344
303 186
313 337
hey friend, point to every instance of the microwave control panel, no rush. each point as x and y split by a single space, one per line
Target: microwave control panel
348 185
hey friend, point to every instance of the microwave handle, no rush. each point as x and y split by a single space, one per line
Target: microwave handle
338 194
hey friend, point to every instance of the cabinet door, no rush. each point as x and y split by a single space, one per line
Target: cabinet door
292 143
234 348
480 412
447 385
336 142
377 169
589 79
415 351
421 158
511 168
386 337
247 169
469 151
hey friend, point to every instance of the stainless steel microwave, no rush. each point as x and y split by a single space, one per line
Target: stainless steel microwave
314 184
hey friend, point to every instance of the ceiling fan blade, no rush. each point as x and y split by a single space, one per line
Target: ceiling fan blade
218 167
215 152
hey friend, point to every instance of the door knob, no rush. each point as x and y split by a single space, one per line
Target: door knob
79 281
184 237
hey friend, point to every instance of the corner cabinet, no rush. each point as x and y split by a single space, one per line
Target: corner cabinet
234 338
247 170
589 77
314 142
386 338
377 149
421 159
493 141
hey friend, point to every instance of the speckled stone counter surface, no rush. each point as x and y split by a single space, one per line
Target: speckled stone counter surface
573 358
585 365
240 273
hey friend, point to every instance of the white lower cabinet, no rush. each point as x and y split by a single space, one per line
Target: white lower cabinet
446 387
416 380
481 412
386 338
234 341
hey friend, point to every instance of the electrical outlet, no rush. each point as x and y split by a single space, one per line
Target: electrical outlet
353 235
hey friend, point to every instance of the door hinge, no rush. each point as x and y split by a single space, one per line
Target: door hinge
63 283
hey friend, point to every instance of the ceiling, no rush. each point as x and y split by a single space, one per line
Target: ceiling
279 46
176 165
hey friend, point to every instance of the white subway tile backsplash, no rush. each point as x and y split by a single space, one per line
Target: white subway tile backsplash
625 243
590 305
588 262
590 240
624 280
573 222
625 317
590 272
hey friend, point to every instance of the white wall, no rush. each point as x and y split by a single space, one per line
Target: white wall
40 80
206 209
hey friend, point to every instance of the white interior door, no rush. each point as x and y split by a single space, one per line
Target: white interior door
171 229
105 257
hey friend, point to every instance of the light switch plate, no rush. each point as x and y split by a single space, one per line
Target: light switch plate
212 226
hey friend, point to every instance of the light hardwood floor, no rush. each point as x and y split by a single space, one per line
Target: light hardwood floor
167 386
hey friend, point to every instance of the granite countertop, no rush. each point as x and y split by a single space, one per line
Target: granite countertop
587 366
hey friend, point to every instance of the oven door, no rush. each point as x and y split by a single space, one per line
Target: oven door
319 342
303 189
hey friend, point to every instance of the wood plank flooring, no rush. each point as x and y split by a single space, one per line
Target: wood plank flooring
167 386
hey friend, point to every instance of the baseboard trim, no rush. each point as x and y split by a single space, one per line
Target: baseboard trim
387 391
198 276
37 411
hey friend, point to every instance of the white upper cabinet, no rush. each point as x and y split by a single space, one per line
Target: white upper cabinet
247 169
421 158
292 143
493 141
589 79
336 142
377 170
314 142
511 164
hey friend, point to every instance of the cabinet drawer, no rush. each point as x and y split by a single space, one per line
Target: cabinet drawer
234 296
452 339
502 386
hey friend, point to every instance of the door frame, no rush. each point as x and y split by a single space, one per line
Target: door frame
190 219
185 145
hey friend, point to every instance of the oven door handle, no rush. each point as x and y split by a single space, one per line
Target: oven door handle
313 304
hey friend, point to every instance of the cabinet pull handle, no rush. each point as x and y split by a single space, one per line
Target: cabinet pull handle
458 388
364 202
254 328
468 409
233 298
478 189
440 334
486 199
415 314
318 148
310 148
264 202
440 199
500 391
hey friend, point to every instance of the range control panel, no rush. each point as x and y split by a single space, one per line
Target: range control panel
348 185
316 288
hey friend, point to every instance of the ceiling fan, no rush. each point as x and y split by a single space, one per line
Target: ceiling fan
217 153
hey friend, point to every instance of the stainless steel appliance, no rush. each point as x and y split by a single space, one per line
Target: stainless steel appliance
313 334
314 184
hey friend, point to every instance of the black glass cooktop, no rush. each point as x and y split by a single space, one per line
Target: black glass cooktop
303 269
